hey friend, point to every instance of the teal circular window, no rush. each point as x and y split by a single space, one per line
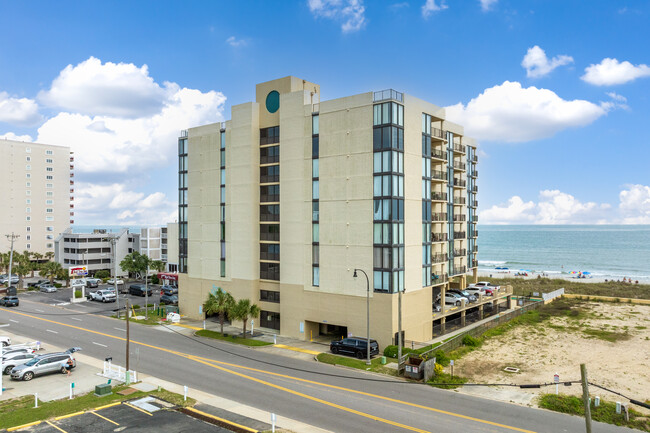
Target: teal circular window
273 101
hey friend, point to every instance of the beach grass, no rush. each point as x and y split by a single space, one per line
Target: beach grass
522 287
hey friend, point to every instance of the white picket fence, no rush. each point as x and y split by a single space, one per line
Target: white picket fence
112 371
552 295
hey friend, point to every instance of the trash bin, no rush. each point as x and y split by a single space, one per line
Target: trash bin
413 369
383 360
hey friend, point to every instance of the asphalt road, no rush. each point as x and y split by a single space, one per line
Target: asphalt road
332 398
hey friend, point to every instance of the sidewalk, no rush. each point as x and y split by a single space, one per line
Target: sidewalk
85 378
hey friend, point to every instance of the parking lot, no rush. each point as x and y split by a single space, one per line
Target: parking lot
142 415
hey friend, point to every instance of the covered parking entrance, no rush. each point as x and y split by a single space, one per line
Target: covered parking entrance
325 332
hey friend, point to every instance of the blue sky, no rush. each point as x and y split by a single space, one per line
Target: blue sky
556 92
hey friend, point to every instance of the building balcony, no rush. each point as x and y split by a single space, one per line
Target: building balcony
388 94
439 258
474 189
474 218
439 154
460 252
460 218
438 278
438 175
460 200
71 182
459 148
439 216
461 166
473 173
439 237
460 183
460 235
72 159
474 159
71 206
458 270
71 190
473 203
439 196
438 133
475 234
71 174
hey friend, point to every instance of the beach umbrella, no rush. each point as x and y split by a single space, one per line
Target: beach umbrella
586 273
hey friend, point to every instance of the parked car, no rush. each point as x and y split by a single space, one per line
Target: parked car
93 282
169 299
4 279
37 283
9 301
355 346
476 291
489 288
44 364
9 361
139 290
471 298
168 290
13 350
6 341
112 281
78 284
103 296
452 298
47 288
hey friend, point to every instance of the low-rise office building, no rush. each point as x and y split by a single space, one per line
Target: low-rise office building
287 201
98 250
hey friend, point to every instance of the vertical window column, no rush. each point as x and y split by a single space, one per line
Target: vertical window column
222 202
315 195
426 200
270 203
182 202
388 193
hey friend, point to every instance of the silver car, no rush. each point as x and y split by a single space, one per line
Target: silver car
47 288
9 361
44 364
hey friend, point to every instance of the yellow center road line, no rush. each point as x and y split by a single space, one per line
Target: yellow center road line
103 417
199 359
56 427
137 408
209 415
297 349
367 394
316 399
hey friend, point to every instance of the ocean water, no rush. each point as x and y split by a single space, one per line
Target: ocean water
606 251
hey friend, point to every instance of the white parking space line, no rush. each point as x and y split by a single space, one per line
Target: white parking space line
99 344
15 321
74 318
62 303
40 311
120 329
53 332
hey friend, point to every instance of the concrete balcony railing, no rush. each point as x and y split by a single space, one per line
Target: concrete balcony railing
460 235
439 216
439 258
460 252
459 270
460 218
438 154
459 200
439 237
438 133
438 175
459 166
459 148
460 182
439 196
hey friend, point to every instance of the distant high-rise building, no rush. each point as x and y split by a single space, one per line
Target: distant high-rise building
284 201
36 194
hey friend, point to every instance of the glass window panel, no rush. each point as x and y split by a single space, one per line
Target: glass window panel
315 189
315 234
386 187
424 254
377 186
386 283
401 186
316 275
395 189
395 158
401 281
314 146
393 142
394 111
376 257
385 115
315 254
400 115
314 167
223 177
401 162
376 138
315 210
377 233
223 250
386 209
401 233
385 137
376 280
424 122
386 236
376 165
400 139
386 161
376 118
377 210
386 257
314 124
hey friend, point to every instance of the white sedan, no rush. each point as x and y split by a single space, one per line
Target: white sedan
112 281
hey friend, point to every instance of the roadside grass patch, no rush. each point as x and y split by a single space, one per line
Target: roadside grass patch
603 334
21 410
231 338
360 364
547 285
449 382
606 412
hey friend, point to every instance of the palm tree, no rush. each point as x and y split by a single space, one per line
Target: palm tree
158 265
4 261
49 255
244 310
219 303
36 264
51 270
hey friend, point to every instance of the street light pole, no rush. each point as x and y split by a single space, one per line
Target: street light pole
117 296
367 313
12 237
146 293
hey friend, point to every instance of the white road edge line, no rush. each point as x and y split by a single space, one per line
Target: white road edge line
120 329
74 318
53 332
40 311
15 321
99 344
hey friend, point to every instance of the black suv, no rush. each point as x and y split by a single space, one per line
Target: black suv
139 290
169 290
355 346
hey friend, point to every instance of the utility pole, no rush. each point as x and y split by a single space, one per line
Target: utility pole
12 237
127 334
585 396
146 293
117 295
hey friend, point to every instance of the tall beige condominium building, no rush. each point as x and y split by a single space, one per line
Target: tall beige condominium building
36 194
284 201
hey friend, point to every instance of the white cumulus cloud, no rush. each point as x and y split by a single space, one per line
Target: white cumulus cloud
12 136
538 65
109 89
610 72
430 6
635 204
553 207
511 113
486 5
18 111
351 13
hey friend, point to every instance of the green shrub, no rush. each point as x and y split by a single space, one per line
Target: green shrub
441 358
58 285
449 381
77 293
154 279
102 274
390 351
135 306
468 340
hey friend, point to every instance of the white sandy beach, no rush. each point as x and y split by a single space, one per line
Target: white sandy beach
487 274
